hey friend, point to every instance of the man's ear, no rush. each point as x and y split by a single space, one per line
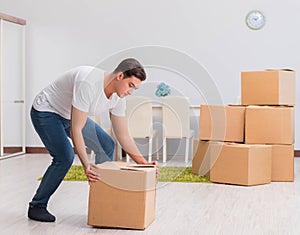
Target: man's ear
120 75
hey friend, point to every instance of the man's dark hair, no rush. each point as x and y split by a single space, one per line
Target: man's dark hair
131 67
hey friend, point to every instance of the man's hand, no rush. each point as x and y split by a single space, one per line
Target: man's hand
152 163
155 163
93 176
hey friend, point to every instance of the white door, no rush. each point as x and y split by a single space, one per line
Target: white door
12 89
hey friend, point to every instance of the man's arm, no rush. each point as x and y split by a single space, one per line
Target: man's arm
78 120
120 128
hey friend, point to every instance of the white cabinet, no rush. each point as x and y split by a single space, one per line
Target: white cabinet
12 86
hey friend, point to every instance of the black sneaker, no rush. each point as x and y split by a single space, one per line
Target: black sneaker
40 214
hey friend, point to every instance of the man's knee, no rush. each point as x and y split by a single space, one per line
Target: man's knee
66 158
113 144
70 159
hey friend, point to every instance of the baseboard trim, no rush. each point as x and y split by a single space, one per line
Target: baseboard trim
36 150
12 149
44 150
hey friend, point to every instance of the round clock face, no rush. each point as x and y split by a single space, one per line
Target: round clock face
255 20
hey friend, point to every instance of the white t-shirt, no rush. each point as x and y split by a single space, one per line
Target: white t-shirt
83 88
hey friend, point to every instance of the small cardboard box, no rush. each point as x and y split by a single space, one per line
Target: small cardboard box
270 87
201 158
222 123
124 197
240 164
269 125
282 162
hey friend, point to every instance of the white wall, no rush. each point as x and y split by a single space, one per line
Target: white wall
64 33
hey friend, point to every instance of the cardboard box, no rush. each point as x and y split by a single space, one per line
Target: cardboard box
241 164
222 123
282 162
195 146
270 87
269 125
124 197
201 159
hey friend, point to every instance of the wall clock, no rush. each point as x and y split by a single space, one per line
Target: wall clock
255 20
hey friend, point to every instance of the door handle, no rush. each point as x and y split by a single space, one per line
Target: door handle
19 101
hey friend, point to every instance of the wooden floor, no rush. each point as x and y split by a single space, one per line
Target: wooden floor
182 208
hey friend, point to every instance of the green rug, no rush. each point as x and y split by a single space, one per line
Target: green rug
166 174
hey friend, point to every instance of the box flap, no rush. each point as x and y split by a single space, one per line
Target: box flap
127 176
111 165
289 70
139 167
267 106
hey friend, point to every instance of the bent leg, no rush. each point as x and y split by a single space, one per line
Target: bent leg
99 141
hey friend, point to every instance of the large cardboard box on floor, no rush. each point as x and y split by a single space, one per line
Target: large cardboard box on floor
269 125
269 87
201 158
240 164
124 197
222 123
282 162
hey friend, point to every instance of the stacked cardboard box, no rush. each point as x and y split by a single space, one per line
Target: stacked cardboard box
261 129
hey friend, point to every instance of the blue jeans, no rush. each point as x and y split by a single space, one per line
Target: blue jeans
54 132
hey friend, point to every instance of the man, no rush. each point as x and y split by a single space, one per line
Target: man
61 110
